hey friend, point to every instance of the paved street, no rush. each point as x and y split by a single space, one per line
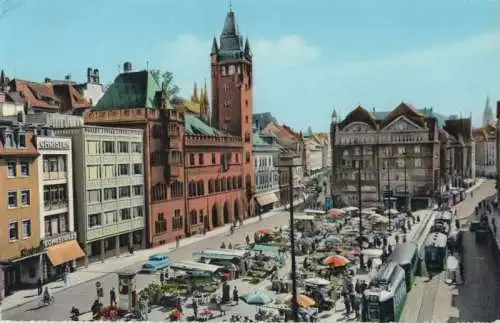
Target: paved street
84 294
432 300
479 298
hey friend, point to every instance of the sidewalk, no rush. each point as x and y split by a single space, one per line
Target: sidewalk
110 265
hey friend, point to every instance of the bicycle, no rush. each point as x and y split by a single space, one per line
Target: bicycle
50 301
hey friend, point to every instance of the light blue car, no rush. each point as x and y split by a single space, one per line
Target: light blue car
156 262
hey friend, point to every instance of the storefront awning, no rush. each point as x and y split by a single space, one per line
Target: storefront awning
267 199
64 252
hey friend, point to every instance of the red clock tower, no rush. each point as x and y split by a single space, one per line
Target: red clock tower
232 99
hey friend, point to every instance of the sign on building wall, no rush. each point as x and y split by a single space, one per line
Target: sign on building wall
49 242
49 143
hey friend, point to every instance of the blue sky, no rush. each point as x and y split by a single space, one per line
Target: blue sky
309 56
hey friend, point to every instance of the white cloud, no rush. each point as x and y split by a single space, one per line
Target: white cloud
286 51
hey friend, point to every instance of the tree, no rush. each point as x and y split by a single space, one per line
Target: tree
8 5
166 80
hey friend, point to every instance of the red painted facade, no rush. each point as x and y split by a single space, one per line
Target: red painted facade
193 182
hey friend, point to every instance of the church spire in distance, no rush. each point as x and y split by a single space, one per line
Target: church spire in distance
488 113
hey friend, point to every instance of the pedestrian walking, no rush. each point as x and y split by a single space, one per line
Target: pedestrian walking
177 242
347 306
236 297
39 286
195 309
112 297
247 239
162 278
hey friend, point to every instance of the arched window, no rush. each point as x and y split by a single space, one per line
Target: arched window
217 185
193 217
201 188
211 186
235 182
192 188
223 184
240 181
229 183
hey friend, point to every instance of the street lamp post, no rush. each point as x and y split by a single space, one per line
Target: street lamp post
406 183
361 260
295 306
389 192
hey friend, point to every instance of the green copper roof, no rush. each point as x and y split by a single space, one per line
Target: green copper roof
195 126
258 141
131 90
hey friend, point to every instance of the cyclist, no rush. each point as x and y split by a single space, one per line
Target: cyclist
46 296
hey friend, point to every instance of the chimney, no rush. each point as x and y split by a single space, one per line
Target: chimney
67 77
47 80
89 75
127 67
96 76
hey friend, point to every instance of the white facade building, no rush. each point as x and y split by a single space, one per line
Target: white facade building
109 211
56 207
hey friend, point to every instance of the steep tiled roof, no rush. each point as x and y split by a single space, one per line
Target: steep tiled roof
381 115
404 109
131 90
70 98
358 114
38 95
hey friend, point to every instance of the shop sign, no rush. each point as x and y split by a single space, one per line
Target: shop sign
52 144
32 251
49 242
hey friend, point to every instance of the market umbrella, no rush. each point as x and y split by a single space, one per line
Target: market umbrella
336 212
317 281
265 232
336 261
257 298
302 300
391 212
333 239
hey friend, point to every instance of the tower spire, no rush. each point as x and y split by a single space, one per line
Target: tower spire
488 112
195 97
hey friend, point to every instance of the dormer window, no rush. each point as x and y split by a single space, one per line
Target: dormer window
231 69
9 140
21 139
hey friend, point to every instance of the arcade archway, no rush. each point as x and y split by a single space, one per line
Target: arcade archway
215 217
226 213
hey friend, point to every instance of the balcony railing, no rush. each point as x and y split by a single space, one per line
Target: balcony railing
50 176
51 206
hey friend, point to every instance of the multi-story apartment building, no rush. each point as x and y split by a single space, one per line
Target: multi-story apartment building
486 156
291 153
463 172
396 156
265 161
20 246
313 155
290 165
56 210
109 182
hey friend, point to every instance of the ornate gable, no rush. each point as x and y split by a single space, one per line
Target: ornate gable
359 114
401 123
358 126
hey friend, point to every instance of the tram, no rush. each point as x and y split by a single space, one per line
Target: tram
384 300
406 255
436 251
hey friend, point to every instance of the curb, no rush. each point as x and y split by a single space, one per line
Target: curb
252 220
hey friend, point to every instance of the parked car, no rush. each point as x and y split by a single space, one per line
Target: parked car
156 262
